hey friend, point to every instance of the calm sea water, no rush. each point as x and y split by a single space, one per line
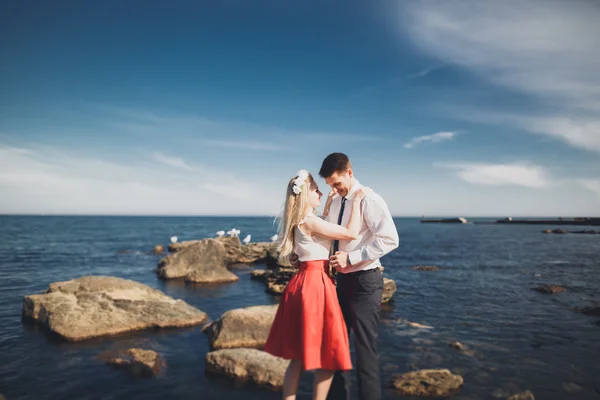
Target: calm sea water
482 297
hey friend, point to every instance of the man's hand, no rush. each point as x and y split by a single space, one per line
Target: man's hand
293 257
339 260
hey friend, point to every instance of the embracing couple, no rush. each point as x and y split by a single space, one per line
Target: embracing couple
314 315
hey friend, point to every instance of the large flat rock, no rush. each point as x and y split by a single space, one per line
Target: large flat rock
94 306
201 261
242 327
427 383
251 365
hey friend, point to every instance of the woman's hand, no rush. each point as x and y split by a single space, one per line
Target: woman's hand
360 194
328 202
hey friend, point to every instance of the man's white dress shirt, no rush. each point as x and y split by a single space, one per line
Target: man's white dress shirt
377 236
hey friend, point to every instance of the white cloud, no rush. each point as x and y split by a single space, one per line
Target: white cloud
171 161
520 174
591 184
435 138
547 49
55 181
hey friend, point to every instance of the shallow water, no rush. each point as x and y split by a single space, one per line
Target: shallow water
516 338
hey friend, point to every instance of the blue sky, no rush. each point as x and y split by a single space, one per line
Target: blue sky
197 108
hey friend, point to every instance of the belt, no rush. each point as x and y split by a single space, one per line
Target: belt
361 272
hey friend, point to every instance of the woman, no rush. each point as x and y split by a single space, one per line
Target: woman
309 327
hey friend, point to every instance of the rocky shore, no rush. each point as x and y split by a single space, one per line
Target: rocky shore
94 306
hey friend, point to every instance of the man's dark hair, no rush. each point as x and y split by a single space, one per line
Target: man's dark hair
335 162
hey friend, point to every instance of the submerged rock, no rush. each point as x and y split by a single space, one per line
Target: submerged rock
242 327
94 306
139 362
457 345
251 365
589 311
427 383
389 288
425 268
550 289
202 262
526 395
259 274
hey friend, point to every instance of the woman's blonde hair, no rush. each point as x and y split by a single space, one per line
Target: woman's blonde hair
294 210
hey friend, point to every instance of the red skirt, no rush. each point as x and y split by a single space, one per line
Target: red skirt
309 324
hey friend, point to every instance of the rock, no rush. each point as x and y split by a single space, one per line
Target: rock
178 246
252 365
138 362
418 325
526 395
589 311
2 397
425 268
560 231
571 387
201 262
428 382
278 279
232 247
389 288
158 249
252 253
274 260
275 288
550 289
235 253
457 345
548 231
423 342
242 327
260 274
587 232
94 306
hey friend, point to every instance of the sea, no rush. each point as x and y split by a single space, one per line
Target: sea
515 338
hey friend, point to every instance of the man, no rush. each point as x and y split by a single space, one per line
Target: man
359 281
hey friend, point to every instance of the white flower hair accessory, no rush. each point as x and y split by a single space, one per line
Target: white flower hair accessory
300 181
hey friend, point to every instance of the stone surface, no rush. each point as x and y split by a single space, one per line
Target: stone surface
389 288
425 268
139 362
247 254
278 279
526 395
202 262
242 327
252 365
550 289
457 345
235 252
158 249
259 274
427 383
94 306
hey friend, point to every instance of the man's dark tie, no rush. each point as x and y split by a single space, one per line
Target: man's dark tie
336 243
